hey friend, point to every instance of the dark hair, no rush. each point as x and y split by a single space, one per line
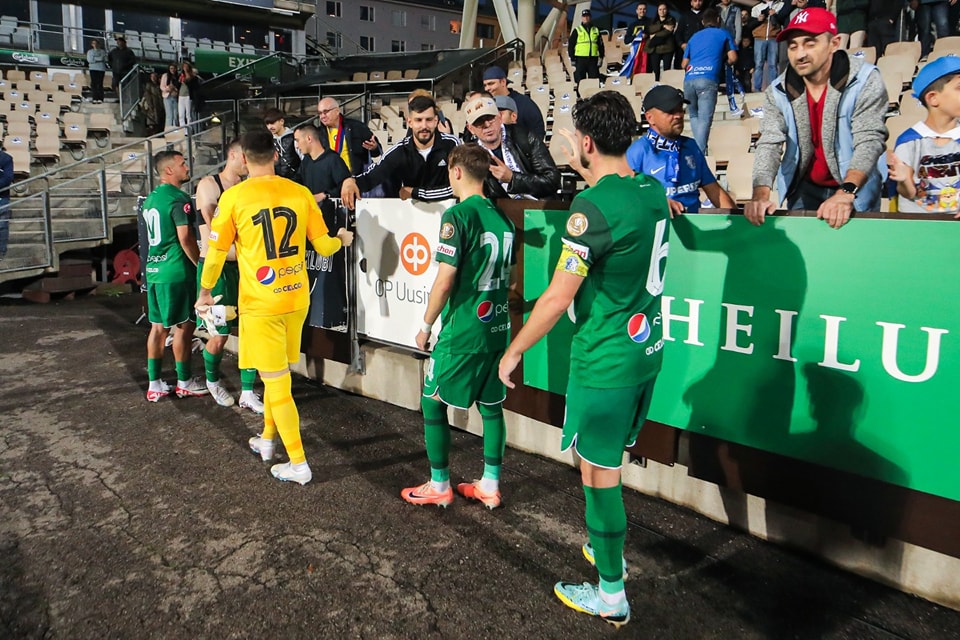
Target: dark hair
474 160
608 119
258 146
421 104
233 143
937 85
162 158
272 115
310 130
711 17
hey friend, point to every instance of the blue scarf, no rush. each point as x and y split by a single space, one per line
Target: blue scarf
670 150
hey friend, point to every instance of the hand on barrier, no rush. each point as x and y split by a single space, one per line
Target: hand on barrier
757 210
676 208
346 237
423 340
836 209
350 193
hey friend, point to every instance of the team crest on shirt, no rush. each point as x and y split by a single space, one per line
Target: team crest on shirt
577 224
446 231
186 208
691 162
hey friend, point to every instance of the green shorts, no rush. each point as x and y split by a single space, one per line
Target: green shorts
227 286
600 423
171 303
460 379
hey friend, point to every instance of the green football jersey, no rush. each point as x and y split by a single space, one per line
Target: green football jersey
476 238
165 209
616 237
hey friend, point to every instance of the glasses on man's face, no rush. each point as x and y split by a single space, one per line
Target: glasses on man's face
323 112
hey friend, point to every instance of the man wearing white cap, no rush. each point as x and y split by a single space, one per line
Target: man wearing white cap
823 130
520 164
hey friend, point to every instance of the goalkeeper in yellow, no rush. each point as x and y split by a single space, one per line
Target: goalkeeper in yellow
270 219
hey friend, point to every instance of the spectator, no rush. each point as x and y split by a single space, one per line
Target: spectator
508 109
171 274
691 21
288 159
97 60
320 171
764 45
822 131
207 196
730 19
784 15
444 125
6 179
271 318
662 46
851 15
744 64
585 47
189 86
528 113
152 104
463 366
674 159
933 13
883 19
926 163
611 270
351 139
704 59
417 164
170 91
122 60
640 24
521 165
637 59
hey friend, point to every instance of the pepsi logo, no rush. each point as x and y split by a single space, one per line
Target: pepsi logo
638 328
485 311
266 275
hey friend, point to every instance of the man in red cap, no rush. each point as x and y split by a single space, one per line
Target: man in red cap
823 131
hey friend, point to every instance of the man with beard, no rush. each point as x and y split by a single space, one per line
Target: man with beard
417 164
673 159
822 131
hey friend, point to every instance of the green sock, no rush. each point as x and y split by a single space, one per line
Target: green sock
184 370
211 365
607 526
247 378
436 435
154 365
494 439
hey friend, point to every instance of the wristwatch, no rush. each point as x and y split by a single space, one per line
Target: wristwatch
849 187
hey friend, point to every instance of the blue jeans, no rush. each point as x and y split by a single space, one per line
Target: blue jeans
4 225
764 52
936 13
808 197
702 94
170 111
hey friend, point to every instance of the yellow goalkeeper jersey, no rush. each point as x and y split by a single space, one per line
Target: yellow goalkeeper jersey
270 219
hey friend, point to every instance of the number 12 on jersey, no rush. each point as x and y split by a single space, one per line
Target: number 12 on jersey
264 218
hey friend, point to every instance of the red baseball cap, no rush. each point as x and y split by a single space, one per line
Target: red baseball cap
813 21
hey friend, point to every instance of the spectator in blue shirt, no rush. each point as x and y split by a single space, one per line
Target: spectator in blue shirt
6 179
673 159
704 59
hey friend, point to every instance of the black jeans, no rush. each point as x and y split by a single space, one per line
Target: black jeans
585 68
655 59
96 85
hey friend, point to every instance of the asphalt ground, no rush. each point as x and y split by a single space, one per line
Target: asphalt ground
125 519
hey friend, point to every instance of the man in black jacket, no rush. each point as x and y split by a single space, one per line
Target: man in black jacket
690 22
320 171
528 113
417 164
288 159
350 139
520 164
121 60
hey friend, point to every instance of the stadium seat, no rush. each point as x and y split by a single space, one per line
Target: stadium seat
559 146
643 82
101 125
672 77
394 74
911 49
47 145
376 76
20 154
411 74
588 86
897 125
944 46
893 81
740 176
910 106
19 129
857 38
728 140
37 76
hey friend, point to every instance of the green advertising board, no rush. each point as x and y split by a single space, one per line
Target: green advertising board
8 56
218 62
841 348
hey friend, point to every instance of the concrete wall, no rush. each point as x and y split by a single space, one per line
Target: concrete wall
394 376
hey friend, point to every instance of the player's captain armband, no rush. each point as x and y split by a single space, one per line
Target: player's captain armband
570 262
447 250
579 249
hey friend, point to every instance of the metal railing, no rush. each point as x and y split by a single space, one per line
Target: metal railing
130 90
83 200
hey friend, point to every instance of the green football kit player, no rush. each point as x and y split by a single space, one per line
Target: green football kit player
611 268
171 274
476 257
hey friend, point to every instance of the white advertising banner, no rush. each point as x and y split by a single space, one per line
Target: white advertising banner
395 244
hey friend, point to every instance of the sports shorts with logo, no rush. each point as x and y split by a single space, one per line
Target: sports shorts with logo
460 379
171 303
600 423
228 286
270 343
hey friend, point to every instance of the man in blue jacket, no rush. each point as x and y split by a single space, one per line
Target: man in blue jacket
823 130
6 179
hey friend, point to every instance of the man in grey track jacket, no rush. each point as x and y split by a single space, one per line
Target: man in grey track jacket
823 130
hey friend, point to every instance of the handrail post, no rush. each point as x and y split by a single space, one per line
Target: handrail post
189 140
48 222
150 167
103 198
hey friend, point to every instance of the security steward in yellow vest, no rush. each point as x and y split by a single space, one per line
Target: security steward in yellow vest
586 49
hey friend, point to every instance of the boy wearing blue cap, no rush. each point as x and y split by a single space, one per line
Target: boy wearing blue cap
926 162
